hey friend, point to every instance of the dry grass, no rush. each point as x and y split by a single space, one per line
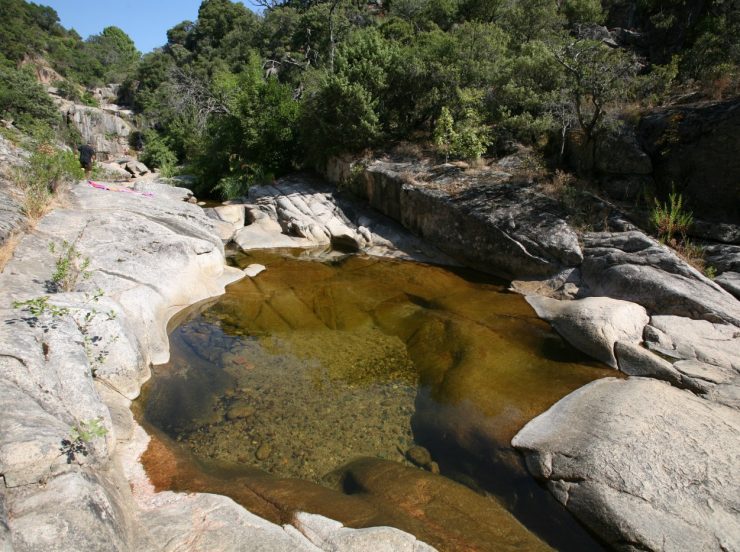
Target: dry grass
557 185
7 249
690 252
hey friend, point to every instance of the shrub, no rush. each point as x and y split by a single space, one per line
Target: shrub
47 171
25 102
157 153
80 438
671 218
467 138
70 267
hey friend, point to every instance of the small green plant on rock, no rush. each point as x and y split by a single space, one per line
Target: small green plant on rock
80 437
70 267
39 306
671 219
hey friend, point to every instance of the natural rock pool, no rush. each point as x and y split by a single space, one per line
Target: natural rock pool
304 388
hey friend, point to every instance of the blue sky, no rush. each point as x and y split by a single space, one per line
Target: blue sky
145 21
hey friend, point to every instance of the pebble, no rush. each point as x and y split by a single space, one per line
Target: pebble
419 456
263 452
239 411
254 269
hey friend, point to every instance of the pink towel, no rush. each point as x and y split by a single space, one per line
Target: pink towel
99 186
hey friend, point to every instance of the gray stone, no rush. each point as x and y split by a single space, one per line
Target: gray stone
136 168
233 214
76 511
254 270
644 465
299 212
626 187
332 536
723 257
230 219
715 231
12 218
730 281
694 147
593 325
634 267
483 220
5 540
114 170
106 132
620 153
220 524
686 339
638 361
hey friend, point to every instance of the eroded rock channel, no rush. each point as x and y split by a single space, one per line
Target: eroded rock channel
305 387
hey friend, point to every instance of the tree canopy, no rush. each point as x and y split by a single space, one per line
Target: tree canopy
243 97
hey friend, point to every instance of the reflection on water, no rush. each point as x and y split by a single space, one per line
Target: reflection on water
313 365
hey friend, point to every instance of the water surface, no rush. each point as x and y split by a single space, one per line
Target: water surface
305 370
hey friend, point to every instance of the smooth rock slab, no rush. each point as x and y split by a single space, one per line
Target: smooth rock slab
594 324
644 465
332 536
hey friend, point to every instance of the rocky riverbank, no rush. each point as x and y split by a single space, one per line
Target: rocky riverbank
646 464
72 363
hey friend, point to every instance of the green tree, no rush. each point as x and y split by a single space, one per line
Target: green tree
25 102
337 116
595 76
444 132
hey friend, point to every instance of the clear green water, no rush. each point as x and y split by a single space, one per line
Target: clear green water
313 365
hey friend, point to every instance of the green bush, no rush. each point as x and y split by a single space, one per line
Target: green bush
48 169
466 139
157 154
671 219
25 102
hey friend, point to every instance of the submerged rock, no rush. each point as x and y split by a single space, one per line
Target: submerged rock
419 456
445 514
254 270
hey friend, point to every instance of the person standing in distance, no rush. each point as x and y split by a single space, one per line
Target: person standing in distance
87 158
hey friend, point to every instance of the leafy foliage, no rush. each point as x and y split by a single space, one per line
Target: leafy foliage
47 170
25 102
671 219
242 98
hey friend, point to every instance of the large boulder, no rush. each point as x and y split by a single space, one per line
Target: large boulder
633 267
229 218
594 324
299 211
612 153
483 219
695 148
644 465
106 132
293 214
